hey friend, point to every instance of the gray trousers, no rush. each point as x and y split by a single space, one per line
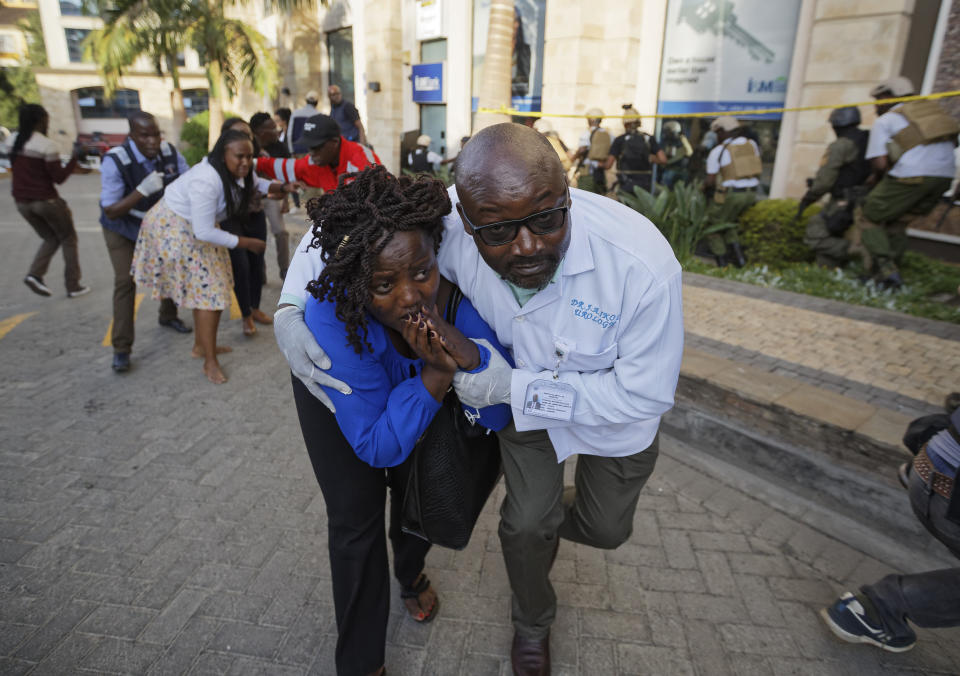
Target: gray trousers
274 211
52 220
533 515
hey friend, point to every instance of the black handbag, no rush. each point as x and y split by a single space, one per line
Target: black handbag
454 468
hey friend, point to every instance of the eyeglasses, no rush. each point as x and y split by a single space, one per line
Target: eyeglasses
504 232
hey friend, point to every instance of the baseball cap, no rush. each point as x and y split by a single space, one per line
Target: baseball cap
423 140
594 113
725 123
317 130
312 95
898 86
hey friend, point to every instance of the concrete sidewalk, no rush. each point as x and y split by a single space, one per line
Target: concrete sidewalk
153 523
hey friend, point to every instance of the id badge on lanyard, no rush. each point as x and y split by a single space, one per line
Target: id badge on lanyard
551 399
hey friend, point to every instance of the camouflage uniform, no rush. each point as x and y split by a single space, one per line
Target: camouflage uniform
842 171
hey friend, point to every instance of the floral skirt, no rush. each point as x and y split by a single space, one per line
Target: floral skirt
195 274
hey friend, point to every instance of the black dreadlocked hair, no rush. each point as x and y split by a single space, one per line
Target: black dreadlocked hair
353 224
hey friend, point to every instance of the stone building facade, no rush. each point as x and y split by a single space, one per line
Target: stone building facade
602 53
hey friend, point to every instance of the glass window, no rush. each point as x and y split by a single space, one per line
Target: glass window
8 44
75 38
340 51
196 101
92 104
78 8
433 51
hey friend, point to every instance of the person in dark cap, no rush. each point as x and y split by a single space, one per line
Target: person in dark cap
843 172
329 155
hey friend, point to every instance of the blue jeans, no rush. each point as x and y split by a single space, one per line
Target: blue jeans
930 599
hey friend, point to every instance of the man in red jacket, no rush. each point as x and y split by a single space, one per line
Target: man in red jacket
330 156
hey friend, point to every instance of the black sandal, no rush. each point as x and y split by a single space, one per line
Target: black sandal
420 585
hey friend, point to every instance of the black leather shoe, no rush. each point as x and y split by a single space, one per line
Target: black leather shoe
121 362
175 324
530 656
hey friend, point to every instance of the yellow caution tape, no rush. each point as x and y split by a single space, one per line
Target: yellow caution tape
503 110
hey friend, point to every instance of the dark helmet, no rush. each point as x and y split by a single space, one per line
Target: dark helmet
845 117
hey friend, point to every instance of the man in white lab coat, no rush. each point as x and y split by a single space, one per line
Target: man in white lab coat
587 295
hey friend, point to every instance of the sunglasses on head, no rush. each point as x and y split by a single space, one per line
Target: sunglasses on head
503 232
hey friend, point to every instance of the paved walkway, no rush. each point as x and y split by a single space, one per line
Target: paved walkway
893 361
153 523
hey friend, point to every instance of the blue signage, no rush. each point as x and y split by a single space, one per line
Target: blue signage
427 82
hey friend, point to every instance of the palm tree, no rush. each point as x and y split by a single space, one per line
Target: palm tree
154 30
234 52
497 63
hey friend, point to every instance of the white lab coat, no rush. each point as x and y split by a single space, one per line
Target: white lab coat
615 308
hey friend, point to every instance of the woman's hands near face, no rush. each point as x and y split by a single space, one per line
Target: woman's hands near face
426 344
463 350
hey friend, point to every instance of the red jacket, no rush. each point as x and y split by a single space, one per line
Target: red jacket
353 157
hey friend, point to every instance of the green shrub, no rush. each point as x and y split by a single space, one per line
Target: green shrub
193 136
771 233
680 214
18 86
927 283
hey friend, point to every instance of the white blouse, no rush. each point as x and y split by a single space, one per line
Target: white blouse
198 196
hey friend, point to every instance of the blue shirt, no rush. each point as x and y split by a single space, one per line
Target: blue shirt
346 114
112 189
390 408
944 450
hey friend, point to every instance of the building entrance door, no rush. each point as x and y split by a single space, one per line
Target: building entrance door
433 123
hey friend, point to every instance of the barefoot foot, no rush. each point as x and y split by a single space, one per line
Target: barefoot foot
248 328
198 352
211 369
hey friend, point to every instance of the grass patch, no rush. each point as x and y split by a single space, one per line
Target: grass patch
924 278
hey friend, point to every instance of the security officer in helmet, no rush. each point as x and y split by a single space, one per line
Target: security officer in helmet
733 170
422 160
635 154
591 154
911 152
843 172
678 150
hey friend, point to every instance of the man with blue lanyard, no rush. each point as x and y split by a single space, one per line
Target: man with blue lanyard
133 176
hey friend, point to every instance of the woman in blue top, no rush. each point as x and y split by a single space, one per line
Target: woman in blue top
377 308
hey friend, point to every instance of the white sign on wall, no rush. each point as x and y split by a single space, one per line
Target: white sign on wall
429 19
726 55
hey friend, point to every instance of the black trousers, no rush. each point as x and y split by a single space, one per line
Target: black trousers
248 267
355 495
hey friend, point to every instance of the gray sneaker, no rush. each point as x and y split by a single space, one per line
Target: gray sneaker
79 291
36 285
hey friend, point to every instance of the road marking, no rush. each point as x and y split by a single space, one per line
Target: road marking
136 306
10 323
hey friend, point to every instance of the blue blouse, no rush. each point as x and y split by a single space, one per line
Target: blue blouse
390 408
